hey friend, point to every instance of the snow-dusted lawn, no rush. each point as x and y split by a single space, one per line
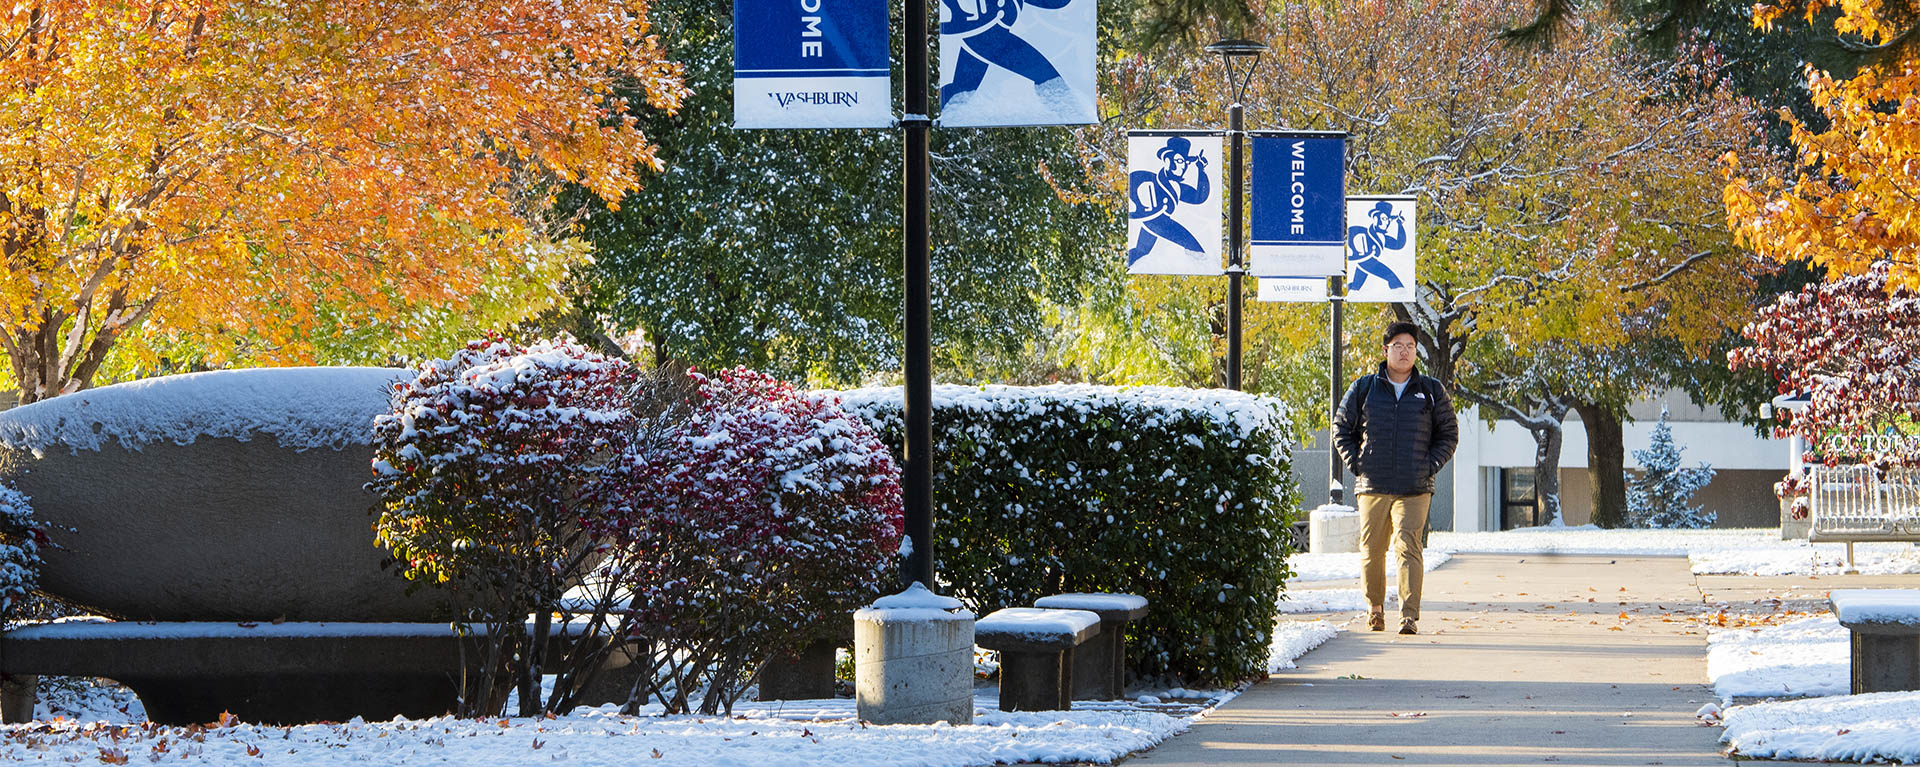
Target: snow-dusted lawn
759 735
1324 601
1754 551
1802 658
1878 727
82 723
1292 639
1805 660
1338 567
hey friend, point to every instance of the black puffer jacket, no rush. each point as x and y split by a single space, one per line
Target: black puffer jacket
1395 446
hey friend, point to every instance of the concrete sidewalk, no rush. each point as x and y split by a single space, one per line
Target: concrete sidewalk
1522 660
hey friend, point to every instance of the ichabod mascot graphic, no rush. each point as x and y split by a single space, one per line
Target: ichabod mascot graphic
985 31
1182 178
1366 243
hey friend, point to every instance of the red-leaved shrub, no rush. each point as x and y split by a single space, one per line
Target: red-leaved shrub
492 467
749 523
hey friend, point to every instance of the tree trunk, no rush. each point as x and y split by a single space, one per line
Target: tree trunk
1546 463
1606 465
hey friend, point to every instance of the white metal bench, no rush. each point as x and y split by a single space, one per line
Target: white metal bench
1856 503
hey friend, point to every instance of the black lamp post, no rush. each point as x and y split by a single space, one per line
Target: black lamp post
917 487
1233 53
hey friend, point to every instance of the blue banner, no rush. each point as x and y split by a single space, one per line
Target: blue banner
1017 62
1299 204
811 64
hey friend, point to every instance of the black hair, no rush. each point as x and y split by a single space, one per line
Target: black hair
1398 328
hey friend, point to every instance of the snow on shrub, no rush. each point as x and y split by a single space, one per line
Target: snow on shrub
1180 495
21 537
491 467
751 524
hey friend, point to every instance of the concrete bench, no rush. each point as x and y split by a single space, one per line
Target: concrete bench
807 672
1036 654
1886 636
188 672
1100 666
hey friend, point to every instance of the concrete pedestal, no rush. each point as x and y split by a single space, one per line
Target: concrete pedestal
1794 529
1884 663
1333 529
913 660
19 695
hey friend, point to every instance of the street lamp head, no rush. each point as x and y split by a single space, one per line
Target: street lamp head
1233 48
1237 78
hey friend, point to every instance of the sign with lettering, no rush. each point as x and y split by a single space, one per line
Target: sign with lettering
1016 62
811 64
1296 289
1380 249
1173 202
1299 186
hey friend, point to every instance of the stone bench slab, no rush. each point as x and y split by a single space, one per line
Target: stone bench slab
1877 611
1035 629
1111 608
1884 634
1100 665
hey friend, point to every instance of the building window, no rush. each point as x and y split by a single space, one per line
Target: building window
1519 504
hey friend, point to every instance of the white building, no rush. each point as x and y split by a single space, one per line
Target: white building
1491 476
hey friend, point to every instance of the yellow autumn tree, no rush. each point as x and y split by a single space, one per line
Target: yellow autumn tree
204 169
1566 194
1853 197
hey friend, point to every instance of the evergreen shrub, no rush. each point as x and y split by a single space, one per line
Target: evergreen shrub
1180 495
1662 495
21 538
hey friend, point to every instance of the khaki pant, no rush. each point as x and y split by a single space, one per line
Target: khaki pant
1407 515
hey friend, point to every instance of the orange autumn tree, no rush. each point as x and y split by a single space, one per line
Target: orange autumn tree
1855 198
210 169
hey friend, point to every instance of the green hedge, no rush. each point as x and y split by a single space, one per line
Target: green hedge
1179 495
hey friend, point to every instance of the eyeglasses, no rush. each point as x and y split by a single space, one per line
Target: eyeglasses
1401 347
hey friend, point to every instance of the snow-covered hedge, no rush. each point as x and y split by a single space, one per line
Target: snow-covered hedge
1179 495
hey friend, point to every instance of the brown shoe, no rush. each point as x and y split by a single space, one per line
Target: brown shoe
1377 621
1406 626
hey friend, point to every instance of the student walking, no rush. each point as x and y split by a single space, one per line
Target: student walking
1394 430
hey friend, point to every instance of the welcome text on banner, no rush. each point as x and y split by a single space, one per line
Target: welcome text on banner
811 64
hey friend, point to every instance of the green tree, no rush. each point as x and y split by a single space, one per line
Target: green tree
1567 193
781 250
1660 495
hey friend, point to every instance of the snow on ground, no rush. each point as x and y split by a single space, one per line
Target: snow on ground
1754 551
1880 727
760 735
1336 567
1324 601
88 700
1292 639
1805 657
85 722
1806 660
